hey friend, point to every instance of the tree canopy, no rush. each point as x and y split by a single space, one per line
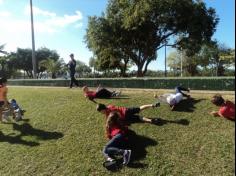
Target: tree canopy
133 31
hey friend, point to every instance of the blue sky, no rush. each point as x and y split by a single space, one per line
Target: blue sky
61 25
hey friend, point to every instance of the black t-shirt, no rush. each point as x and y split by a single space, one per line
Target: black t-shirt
72 65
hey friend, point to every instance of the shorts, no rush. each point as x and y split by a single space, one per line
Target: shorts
130 112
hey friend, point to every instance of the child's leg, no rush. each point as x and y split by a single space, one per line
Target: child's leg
112 147
143 107
179 89
104 93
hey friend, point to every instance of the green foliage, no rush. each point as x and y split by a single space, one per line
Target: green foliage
52 66
22 59
62 134
82 69
135 30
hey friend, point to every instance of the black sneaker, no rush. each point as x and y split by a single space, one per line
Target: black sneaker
158 104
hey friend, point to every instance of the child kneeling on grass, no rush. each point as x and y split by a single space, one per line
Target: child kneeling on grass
227 108
116 133
127 113
99 93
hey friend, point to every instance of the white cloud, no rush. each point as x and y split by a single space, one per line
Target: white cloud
38 11
52 19
65 20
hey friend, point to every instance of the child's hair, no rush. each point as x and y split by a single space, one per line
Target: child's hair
84 88
3 80
113 119
101 107
217 100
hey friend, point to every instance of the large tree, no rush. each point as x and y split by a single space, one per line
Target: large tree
136 30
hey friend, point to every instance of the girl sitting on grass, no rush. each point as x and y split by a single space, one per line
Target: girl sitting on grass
116 133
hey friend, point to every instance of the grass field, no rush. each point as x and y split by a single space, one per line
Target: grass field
62 134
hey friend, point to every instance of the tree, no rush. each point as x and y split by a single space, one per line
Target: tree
189 63
52 66
22 59
135 30
218 57
82 68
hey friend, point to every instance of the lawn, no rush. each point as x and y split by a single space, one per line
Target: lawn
62 134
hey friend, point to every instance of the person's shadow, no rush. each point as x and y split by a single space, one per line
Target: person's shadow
187 105
27 130
158 121
137 144
16 140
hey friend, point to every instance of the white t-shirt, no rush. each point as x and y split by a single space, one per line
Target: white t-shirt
174 99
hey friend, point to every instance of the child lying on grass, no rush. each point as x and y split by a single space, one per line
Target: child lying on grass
227 108
127 113
174 99
99 93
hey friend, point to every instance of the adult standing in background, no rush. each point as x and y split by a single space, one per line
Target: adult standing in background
72 65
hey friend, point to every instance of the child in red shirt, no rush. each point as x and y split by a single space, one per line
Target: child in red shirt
99 93
116 133
227 108
127 113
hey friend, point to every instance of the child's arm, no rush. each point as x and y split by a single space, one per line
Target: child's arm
215 114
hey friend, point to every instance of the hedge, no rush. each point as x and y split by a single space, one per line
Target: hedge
196 83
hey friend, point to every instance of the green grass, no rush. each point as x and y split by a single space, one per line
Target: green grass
62 134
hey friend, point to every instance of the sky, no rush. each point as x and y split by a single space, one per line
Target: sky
61 25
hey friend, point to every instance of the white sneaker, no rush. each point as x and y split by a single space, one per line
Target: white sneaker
109 159
126 157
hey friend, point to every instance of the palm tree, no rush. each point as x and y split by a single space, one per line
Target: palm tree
51 66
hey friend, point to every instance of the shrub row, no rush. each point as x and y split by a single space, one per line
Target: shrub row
204 83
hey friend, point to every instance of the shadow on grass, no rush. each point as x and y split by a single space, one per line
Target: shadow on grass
159 121
16 140
27 130
137 144
187 105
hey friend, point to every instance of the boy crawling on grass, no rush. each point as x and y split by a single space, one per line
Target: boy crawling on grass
227 108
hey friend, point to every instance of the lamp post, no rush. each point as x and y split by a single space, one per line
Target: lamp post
33 42
165 61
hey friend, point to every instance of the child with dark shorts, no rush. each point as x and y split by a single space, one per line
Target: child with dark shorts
127 113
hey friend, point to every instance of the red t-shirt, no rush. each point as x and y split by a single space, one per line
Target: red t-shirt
91 94
116 130
120 110
228 110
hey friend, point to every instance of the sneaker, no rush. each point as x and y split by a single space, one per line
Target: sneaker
118 94
126 157
110 159
158 104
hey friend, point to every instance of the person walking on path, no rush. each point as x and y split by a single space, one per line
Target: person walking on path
72 65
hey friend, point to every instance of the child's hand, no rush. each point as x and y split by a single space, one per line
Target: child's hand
214 113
